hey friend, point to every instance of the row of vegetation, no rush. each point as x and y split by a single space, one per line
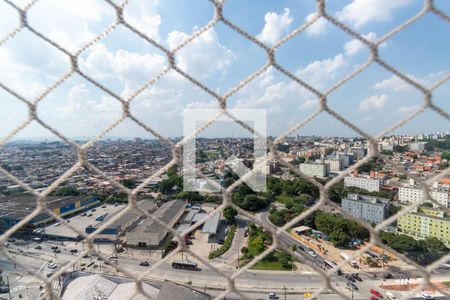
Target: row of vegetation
423 252
258 241
226 245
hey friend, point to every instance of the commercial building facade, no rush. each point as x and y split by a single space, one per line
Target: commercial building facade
364 182
424 223
366 208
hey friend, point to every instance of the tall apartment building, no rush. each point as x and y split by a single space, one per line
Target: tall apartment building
319 170
335 164
364 182
424 223
366 208
414 194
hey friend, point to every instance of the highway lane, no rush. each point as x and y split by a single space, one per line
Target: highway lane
252 281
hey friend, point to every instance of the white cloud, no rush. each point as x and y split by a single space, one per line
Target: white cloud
143 15
318 27
321 71
394 83
308 103
406 110
69 22
354 46
362 12
204 55
397 84
123 64
373 102
275 26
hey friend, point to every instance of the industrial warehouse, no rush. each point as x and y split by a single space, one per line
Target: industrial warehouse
14 209
88 215
149 233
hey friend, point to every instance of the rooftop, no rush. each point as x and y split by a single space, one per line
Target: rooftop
19 206
212 224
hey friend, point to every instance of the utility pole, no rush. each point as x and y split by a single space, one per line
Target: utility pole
9 287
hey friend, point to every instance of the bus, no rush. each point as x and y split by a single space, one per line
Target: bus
185 265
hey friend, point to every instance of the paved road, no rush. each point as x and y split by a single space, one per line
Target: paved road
255 283
231 256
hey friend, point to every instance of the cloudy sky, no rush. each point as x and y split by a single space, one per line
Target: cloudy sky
220 58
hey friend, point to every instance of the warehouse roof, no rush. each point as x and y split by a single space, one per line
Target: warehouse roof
171 290
19 206
212 224
165 213
145 205
92 287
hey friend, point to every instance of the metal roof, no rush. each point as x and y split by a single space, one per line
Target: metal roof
212 224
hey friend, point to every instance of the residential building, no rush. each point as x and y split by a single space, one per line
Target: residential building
424 223
335 164
366 208
413 194
319 170
418 146
364 182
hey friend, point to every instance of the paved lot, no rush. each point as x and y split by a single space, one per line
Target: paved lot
81 221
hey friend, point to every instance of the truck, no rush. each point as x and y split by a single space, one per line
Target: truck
349 259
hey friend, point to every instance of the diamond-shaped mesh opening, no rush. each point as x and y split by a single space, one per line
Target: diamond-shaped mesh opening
281 237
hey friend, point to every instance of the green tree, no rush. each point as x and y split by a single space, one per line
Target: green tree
230 214
258 244
339 238
128 183
285 259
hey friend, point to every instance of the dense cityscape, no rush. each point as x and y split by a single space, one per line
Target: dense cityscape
327 239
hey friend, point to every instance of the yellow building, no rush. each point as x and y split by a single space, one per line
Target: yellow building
426 222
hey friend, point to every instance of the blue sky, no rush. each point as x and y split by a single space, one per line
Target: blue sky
220 58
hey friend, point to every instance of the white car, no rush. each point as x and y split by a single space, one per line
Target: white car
52 265
390 296
427 296
312 253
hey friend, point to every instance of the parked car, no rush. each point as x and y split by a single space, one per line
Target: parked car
357 277
144 263
376 293
350 278
339 272
49 274
273 296
312 253
387 276
73 250
38 247
56 251
352 286
54 247
4 289
300 248
391 296
52 265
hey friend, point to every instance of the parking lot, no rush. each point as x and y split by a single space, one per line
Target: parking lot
81 221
